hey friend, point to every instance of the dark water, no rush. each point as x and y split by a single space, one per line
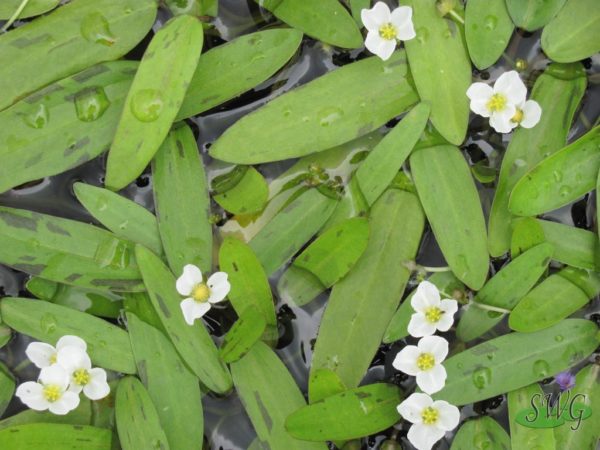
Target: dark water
227 426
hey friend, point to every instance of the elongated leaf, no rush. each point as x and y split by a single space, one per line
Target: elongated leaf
137 420
332 24
269 394
139 304
79 35
185 230
441 69
32 9
533 14
328 111
7 387
107 344
193 343
352 204
483 432
488 28
527 233
55 436
244 333
356 6
451 202
573 34
66 251
5 335
154 99
360 305
173 389
573 246
522 437
515 360
504 291
299 286
352 414
558 91
248 196
382 164
82 415
291 228
33 130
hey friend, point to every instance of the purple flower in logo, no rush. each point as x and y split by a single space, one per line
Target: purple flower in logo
565 380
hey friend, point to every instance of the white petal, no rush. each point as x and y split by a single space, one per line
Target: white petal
480 91
426 296
501 122
373 42
68 402
406 360
219 287
73 341
55 374
401 16
411 408
431 381
511 85
406 32
97 388
375 17
532 112
191 277
436 345
40 354
193 310
449 307
480 107
449 415
423 437
72 359
75 388
31 393
419 326
386 48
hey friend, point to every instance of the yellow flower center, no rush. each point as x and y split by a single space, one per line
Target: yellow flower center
497 103
53 359
387 32
518 117
430 415
425 361
433 314
52 392
201 293
81 377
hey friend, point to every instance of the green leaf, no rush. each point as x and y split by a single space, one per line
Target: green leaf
515 360
328 111
351 414
291 228
244 333
138 423
79 35
33 130
5 335
82 415
248 196
382 164
193 343
527 233
325 383
573 34
298 286
173 389
66 251
356 6
488 28
185 229
122 216
587 383
325 20
558 91
55 436
572 246
451 202
7 387
504 291
586 280
559 179
196 8
32 8
441 69
482 432
361 304
107 344
269 394
139 303
522 437
154 99
533 14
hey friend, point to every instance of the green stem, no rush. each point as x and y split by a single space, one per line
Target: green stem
15 16
491 308
456 16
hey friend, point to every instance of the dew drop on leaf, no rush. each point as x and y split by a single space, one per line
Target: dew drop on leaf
147 105
90 104
482 377
95 28
38 118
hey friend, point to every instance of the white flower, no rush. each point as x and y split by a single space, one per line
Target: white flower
424 361
78 366
49 392
528 114
200 295
431 419
431 313
44 355
385 28
500 102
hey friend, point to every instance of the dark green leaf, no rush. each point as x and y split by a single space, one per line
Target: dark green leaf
55 436
482 432
248 196
533 14
244 333
32 8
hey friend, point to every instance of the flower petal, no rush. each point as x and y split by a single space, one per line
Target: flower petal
532 112
511 85
401 16
419 326
449 415
406 32
97 388
426 296
191 276
375 17
68 402
431 381
436 345
55 374
72 359
386 48
423 437
501 122
411 408
480 91
73 341
406 360
188 306
31 393
219 287
40 354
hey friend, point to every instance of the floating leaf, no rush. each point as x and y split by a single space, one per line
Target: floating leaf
55 436
325 383
299 286
515 360
523 437
5 335
139 303
107 344
325 112
356 6
248 196
155 97
79 35
32 8
244 333
451 202
482 432
82 415
527 233
533 14
7 387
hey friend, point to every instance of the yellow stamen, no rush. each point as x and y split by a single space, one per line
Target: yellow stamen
497 103
433 314
430 415
387 32
425 361
81 377
201 293
518 117
52 392
53 359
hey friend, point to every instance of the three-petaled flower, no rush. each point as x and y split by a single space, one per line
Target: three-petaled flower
424 361
77 363
385 28
432 313
200 295
44 355
49 392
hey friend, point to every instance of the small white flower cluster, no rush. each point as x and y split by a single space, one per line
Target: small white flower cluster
200 295
385 28
431 419
66 371
505 104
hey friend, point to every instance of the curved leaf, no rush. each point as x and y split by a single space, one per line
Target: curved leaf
244 333
533 14
248 196
55 436
32 9
7 387
522 437
572 246
482 432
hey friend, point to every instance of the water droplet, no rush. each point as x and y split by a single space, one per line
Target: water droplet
113 253
541 368
91 103
101 204
123 225
258 57
95 28
287 112
481 441
558 338
146 105
490 22
39 118
329 115
482 377
48 323
564 190
422 35
558 176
